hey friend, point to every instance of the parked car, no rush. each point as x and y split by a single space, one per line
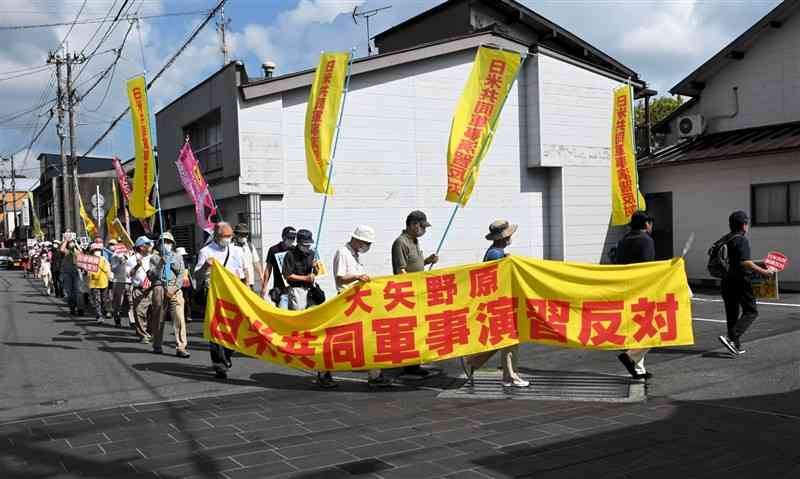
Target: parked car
10 258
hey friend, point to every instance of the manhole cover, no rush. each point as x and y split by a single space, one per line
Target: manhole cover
552 385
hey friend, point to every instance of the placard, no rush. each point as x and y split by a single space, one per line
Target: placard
776 261
766 288
88 263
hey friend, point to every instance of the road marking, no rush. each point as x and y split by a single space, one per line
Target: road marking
710 320
762 303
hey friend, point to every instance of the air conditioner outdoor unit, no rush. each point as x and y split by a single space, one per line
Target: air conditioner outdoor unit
690 126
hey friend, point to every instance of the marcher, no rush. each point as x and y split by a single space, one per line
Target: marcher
737 286
348 271
120 286
299 271
500 233
279 294
70 277
186 285
45 270
407 258
637 246
166 276
252 261
98 282
55 261
230 257
138 267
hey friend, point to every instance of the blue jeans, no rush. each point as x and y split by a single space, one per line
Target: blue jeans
71 289
284 301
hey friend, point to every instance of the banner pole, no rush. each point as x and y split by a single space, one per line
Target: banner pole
633 140
333 153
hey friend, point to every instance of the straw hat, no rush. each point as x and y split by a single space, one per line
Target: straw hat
500 229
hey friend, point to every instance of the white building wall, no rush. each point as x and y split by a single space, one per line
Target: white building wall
705 194
575 131
768 78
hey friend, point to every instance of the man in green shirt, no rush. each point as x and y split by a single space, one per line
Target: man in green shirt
407 258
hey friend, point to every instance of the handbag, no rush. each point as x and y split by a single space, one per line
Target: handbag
316 294
275 296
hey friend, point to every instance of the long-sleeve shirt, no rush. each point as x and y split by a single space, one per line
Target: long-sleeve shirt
174 278
99 279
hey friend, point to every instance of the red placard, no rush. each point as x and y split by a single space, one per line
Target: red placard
120 249
777 261
88 263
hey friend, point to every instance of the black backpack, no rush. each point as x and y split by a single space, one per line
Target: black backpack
719 264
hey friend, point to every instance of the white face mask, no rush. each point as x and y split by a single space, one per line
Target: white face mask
241 240
98 253
225 242
167 248
304 249
289 243
363 249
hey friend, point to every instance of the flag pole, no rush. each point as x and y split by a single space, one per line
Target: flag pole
333 153
633 141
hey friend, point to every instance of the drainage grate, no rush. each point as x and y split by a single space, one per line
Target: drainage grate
552 385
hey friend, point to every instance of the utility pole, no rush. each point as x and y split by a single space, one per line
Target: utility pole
14 197
5 217
71 102
222 26
58 60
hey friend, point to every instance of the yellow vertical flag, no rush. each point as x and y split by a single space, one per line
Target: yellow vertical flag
91 229
144 174
625 195
37 227
111 226
322 115
475 119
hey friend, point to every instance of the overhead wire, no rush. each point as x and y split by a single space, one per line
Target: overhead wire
72 26
103 20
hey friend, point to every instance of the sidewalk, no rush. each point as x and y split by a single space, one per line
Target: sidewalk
294 430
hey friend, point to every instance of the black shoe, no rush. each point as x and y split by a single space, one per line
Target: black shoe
730 345
379 382
417 371
158 351
326 381
228 363
182 354
629 365
220 373
72 311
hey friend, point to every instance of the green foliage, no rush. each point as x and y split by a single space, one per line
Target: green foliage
660 108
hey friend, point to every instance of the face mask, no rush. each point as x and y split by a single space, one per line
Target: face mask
225 242
167 248
289 242
98 253
363 249
305 249
241 240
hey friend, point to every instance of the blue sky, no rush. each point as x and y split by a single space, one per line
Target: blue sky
663 40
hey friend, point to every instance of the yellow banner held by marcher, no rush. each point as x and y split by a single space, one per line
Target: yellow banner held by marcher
144 173
322 116
475 119
625 195
111 226
430 316
88 224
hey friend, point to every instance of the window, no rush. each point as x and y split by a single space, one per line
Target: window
776 204
206 137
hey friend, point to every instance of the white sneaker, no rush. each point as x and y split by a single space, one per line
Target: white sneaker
517 383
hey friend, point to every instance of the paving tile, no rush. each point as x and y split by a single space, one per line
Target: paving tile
326 425
197 434
204 467
365 466
62 418
275 433
465 475
470 445
419 455
308 449
237 419
520 435
223 440
257 458
86 439
129 444
110 421
158 450
416 471
189 424
586 422
137 431
266 424
382 449
322 460
257 472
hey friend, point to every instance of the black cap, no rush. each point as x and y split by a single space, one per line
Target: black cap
289 230
418 217
737 219
304 237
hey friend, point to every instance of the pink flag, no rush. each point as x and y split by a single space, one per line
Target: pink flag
197 188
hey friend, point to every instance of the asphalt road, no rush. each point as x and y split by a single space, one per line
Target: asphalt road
51 363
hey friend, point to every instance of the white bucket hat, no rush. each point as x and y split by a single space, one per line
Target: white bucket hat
364 233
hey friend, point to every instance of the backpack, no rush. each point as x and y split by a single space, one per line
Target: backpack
719 265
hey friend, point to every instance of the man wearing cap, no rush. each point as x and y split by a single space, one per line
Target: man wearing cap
279 293
252 262
348 271
138 267
230 257
166 275
407 258
299 271
120 284
55 261
737 287
70 277
637 246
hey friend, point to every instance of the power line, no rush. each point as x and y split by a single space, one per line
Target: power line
211 14
20 75
64 40
102 20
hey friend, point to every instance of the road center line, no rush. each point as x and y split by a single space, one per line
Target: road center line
709 320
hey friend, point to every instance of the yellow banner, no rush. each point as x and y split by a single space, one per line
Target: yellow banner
430 316
111 226
322 115
91 229
475 119
37 227
144 173
625 195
